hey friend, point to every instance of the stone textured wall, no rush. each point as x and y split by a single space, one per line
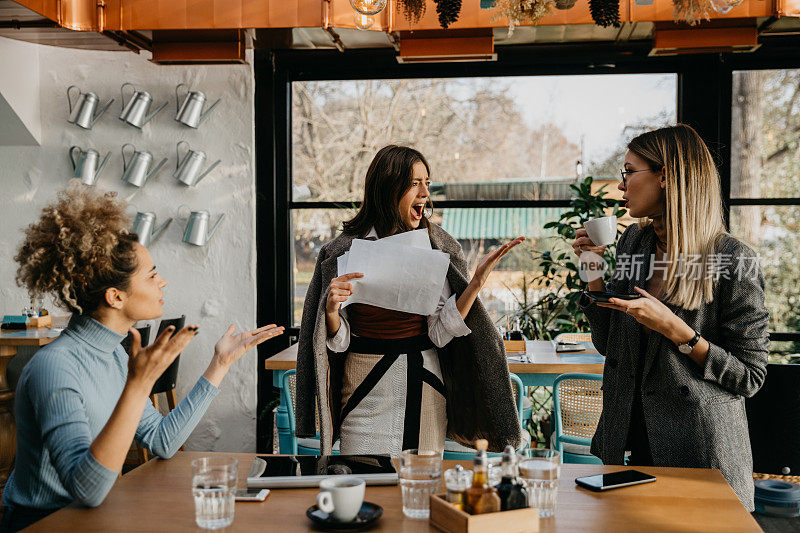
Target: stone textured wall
213 285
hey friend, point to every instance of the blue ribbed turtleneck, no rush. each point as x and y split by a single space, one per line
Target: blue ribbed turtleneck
64 398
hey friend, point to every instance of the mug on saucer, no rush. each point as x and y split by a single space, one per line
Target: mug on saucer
341 496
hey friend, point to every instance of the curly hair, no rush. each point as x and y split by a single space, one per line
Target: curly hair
78 249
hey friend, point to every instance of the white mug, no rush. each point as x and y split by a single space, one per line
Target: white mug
602 231
341 496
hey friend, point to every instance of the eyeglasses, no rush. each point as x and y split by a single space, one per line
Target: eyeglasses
624 174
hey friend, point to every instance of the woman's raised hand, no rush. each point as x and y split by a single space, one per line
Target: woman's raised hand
340 290
145 365
232 346
489 262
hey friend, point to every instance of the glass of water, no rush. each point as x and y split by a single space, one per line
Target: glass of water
540 469
214 481
420 475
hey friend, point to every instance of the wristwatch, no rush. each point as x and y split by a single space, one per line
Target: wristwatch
686 347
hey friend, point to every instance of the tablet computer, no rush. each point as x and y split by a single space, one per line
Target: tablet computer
294 471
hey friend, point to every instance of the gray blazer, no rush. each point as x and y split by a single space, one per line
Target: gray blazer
695 416
480 403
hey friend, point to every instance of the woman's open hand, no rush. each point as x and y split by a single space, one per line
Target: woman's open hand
648 311
145 365
232 346
489 262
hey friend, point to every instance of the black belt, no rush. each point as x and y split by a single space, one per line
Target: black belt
417 374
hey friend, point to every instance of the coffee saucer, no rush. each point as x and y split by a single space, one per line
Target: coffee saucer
367 516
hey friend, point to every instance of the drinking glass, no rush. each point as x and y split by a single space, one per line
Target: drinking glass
420 475
214 482
540 469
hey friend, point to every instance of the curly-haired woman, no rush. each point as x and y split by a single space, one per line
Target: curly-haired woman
82 400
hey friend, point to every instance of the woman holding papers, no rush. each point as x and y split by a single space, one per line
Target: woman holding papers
414 357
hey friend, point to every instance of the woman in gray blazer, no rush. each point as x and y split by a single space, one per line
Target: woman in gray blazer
681 358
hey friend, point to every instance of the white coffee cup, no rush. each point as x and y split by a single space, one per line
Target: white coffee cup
602 231
341 496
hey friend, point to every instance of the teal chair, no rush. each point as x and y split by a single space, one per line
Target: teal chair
456 452
301 446
577 403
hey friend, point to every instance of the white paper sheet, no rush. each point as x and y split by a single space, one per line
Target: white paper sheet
417 238
397 276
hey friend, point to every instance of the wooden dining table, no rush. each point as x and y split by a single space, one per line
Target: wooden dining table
10 342
538 367
157 497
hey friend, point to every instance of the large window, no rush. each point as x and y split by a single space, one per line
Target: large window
503 153
765 186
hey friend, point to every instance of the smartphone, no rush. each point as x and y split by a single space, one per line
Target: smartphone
615 480
604 296
251 495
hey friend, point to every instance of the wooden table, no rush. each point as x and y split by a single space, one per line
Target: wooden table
10 341
542 367
157 497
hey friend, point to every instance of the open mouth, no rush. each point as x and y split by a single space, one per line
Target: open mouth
416 211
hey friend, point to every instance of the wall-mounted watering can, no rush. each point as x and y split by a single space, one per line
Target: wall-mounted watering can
187 171
136 172
134 112
197 232
143 226
190 112
82 111
86 167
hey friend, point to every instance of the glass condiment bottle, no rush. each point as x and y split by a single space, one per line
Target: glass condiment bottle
481 497
513 494
457 480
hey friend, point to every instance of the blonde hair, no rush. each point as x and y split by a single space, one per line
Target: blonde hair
79 247
693 217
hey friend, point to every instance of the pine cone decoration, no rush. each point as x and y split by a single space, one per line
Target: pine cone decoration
448 11
605 13
412 9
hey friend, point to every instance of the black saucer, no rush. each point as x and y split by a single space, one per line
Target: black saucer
367 516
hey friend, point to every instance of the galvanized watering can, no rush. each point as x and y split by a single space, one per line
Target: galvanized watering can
144 227
197 232
135 171
83 112
190 112
135 110
86 167
188 170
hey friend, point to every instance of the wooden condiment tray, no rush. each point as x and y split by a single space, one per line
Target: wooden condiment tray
450 519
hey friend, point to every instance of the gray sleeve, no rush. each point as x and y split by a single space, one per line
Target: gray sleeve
164 435
738 362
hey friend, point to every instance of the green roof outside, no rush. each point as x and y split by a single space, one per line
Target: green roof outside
499 223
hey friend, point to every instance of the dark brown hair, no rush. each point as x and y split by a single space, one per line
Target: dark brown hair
388 178
79 248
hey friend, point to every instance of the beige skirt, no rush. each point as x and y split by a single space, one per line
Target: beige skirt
393 397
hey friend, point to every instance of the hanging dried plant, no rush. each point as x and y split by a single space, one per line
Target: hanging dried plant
605 13
522 11
412 9
448 11
691 11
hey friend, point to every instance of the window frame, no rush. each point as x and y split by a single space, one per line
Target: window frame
703 101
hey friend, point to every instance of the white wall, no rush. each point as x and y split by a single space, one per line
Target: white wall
213 285
20 122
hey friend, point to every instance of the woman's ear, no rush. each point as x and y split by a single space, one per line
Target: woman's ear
662 180
114 298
